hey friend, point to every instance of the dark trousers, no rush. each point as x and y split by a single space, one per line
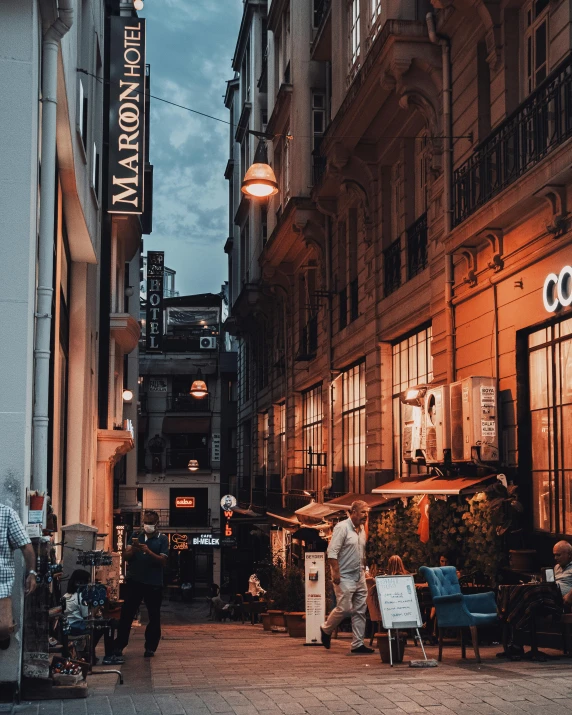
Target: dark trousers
152 596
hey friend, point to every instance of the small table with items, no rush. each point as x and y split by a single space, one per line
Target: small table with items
519 606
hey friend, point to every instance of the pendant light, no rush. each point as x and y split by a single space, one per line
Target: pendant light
199 387
193 465
260 181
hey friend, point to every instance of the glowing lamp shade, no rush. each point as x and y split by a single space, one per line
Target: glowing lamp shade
199 389
193 465
127 395
138 4
260 181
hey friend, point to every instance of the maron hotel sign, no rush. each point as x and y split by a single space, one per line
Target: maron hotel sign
126 115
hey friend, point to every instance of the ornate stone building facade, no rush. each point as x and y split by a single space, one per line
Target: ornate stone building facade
422 153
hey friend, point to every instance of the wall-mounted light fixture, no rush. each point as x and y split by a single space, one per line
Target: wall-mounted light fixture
260 181
127 395
193 465
199 387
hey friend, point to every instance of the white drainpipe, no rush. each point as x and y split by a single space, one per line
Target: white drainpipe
445 44
44 293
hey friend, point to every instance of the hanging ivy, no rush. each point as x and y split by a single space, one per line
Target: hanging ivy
465 529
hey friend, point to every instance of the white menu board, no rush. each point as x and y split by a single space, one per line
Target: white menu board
398 602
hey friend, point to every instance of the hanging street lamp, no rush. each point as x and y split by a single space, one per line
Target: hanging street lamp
199 387
260 181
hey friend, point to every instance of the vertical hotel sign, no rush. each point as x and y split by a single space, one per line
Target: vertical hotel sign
154 327
126 115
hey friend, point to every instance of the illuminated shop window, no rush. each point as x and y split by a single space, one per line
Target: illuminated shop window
353 427
412 365
312 441
550 382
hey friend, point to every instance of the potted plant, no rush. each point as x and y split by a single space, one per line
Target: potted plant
286 594
294 604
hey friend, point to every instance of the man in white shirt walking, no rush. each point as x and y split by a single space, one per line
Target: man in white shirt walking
346 557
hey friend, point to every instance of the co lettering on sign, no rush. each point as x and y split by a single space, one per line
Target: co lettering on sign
557 291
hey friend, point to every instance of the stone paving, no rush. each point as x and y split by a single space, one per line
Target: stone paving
204 668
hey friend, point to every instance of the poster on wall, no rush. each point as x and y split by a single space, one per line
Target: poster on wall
315 580
126 115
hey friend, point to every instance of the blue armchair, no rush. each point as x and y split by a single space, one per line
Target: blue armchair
456 610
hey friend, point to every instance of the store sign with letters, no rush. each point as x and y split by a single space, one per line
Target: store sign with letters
206 540
126 115
315 580
185 502
557 290
154 326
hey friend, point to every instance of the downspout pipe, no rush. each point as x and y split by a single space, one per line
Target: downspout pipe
445 44
44 291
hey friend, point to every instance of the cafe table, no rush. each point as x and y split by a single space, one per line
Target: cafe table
519 606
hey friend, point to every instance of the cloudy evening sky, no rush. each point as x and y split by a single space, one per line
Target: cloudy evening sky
190 44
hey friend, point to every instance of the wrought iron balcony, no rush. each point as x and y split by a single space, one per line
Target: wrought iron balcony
392 267
539 125
417 246
187 403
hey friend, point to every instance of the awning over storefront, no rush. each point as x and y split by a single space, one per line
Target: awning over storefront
343 503
186 425
434 485
282 517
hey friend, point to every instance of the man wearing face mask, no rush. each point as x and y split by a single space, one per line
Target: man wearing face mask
146 555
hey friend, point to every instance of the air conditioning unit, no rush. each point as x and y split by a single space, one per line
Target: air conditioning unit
207 343
437 424
412 432
474 420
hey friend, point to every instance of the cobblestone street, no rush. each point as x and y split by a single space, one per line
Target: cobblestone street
204 668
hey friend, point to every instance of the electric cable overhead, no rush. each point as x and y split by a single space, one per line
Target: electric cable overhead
261 135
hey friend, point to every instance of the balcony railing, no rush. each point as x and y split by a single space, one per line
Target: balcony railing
392 267
417 246
187 403
165 518
179 458
540 124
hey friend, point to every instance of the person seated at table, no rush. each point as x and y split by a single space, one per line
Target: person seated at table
395 566
563 571
444 560
77 614
372 599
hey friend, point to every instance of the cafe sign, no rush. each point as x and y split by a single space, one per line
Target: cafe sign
180 542
557 290
185 502
126 115
206 540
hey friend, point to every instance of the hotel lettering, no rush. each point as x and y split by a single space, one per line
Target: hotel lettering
126 115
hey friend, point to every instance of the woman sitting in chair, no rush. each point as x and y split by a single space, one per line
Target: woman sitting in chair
77 614
395 567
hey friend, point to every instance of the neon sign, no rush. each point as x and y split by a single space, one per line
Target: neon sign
185 502
557 290
180 542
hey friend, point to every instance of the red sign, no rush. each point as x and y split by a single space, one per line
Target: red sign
185 502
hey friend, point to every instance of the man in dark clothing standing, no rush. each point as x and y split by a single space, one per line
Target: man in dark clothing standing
146 554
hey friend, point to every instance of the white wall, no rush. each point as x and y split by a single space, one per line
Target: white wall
19 76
